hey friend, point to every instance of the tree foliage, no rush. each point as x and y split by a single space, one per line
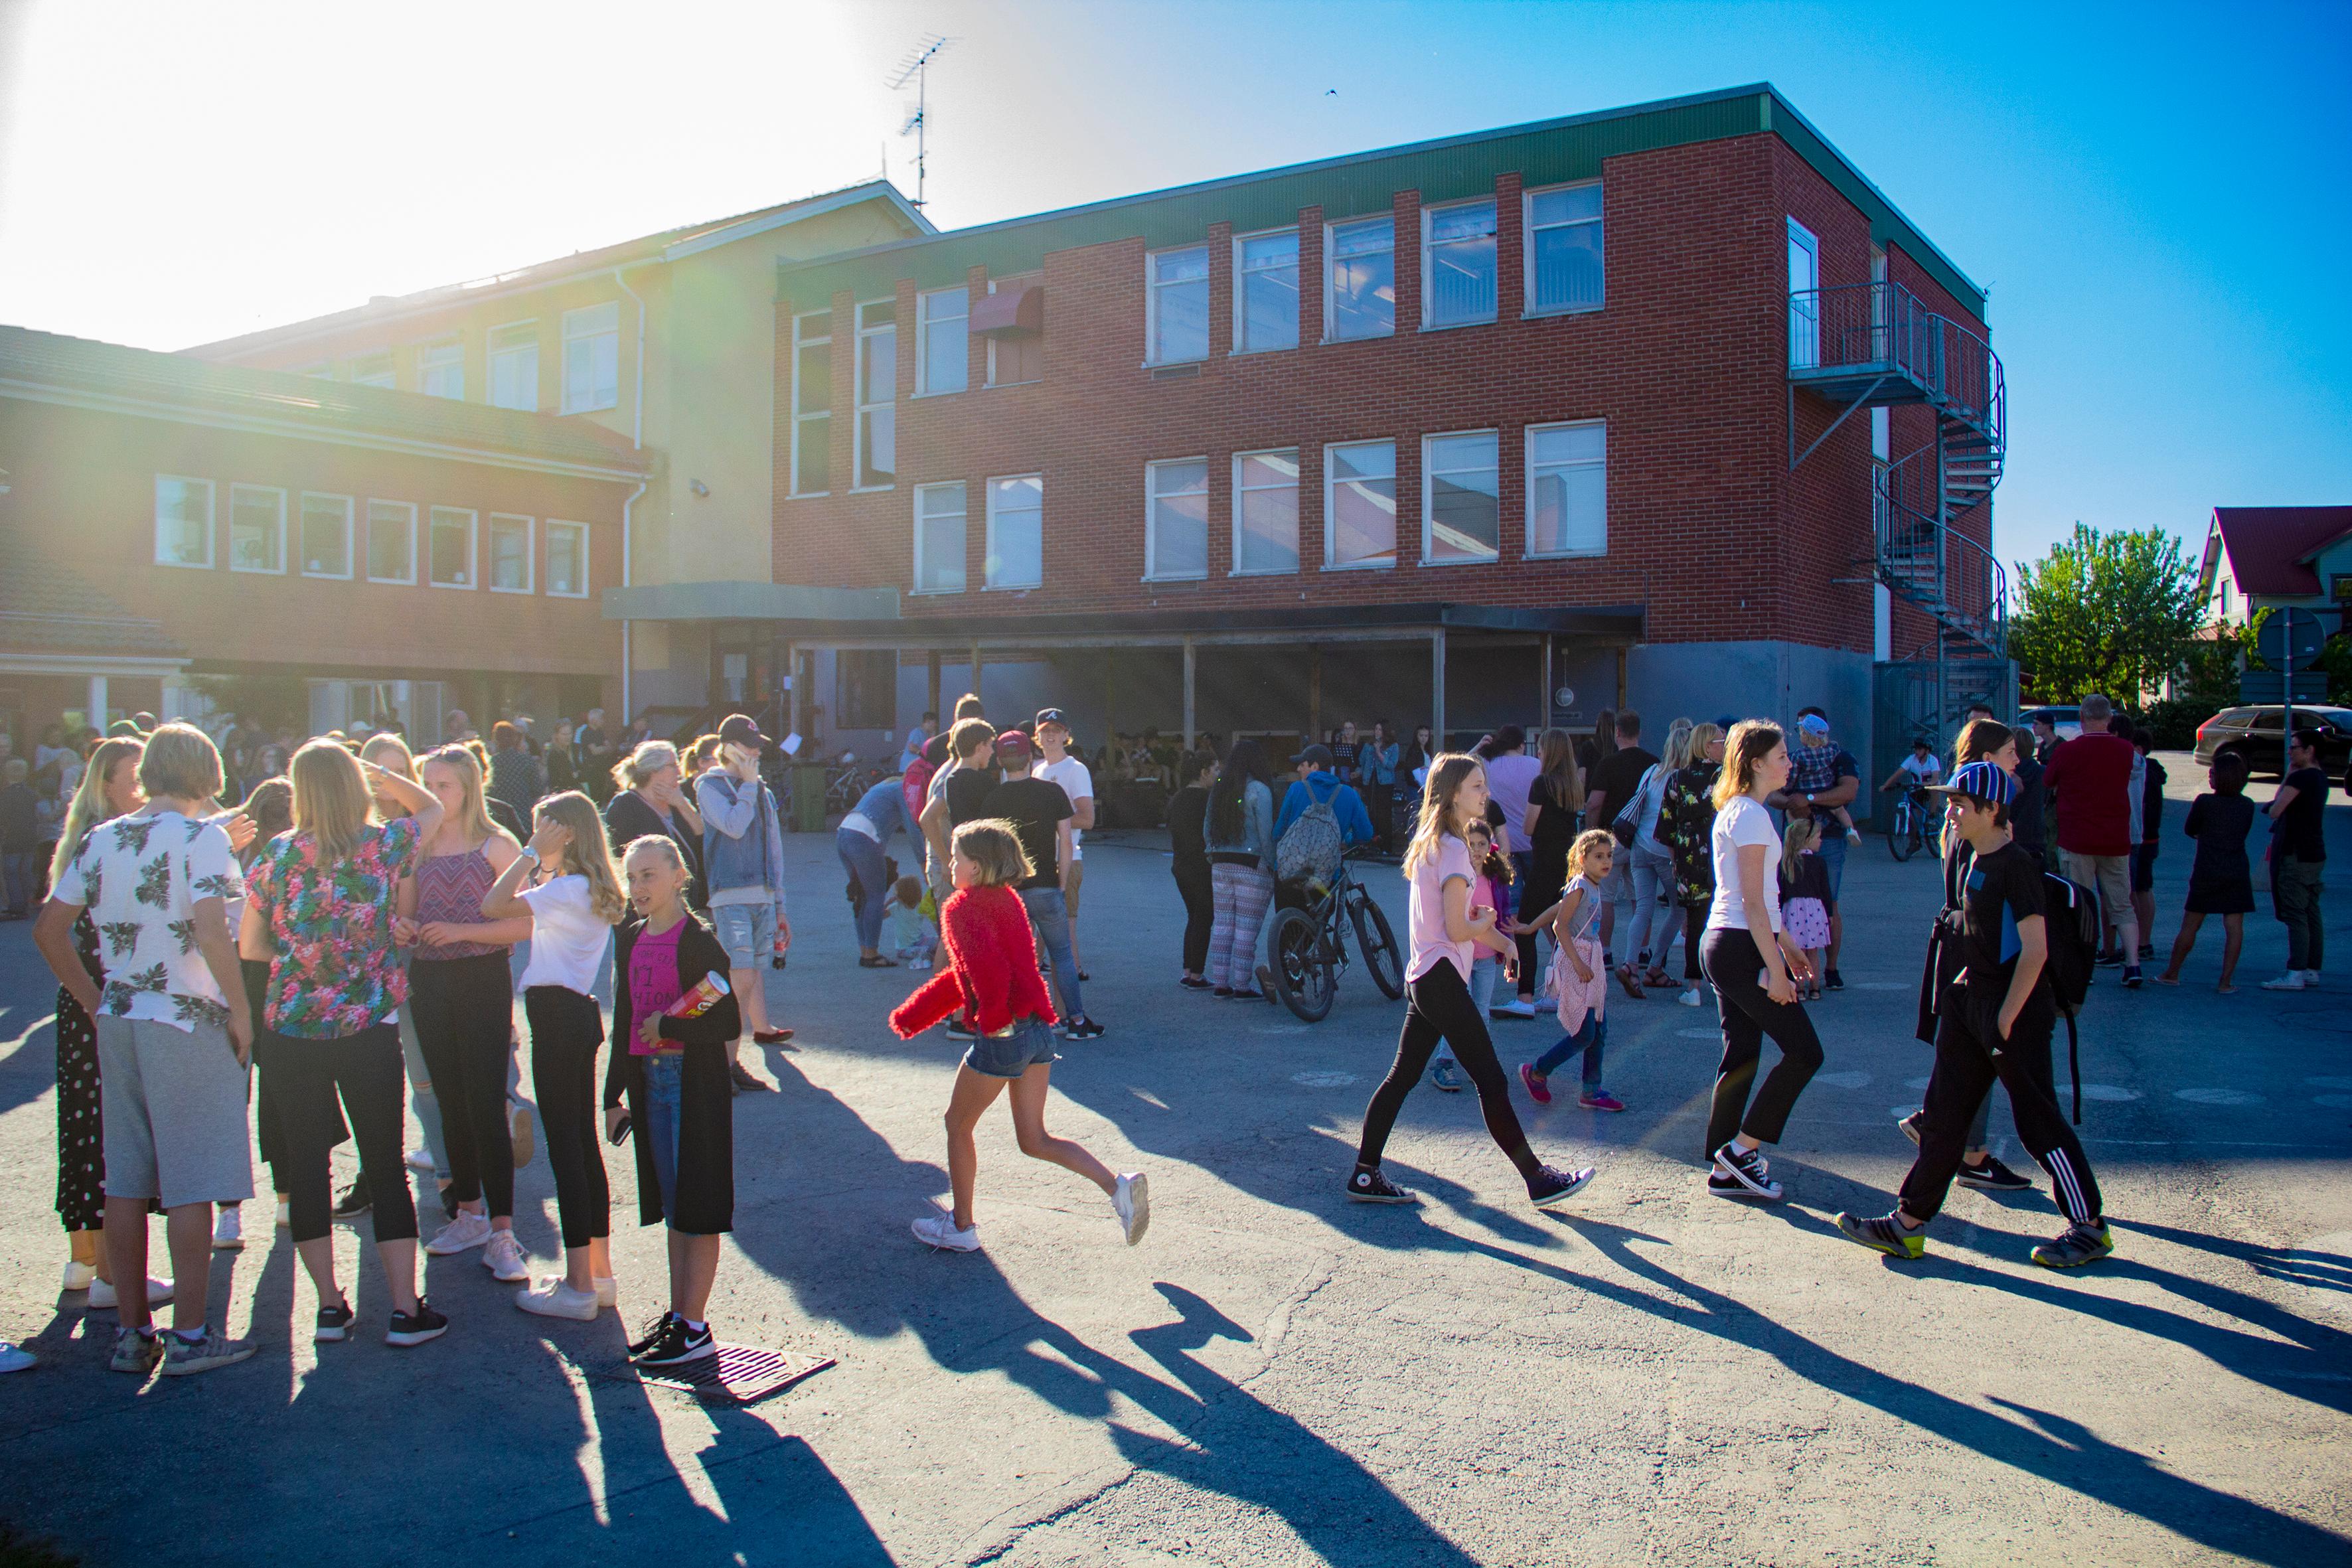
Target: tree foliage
2114 611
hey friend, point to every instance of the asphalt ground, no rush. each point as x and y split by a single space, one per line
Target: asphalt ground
1276 1376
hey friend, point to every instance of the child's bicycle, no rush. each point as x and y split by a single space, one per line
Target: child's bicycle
1307 949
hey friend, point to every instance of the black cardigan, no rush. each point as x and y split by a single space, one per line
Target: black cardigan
706 1133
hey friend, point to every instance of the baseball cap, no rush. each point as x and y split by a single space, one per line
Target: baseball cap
1013 745
1316 753
738 729
1814 724
1981 781
1051 716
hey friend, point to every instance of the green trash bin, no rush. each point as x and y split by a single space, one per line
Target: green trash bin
808 797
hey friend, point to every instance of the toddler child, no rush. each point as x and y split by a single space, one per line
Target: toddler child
911 937
1805 901
1581 972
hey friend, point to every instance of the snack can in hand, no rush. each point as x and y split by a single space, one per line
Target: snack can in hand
701 1000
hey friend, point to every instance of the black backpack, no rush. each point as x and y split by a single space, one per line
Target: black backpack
2070 918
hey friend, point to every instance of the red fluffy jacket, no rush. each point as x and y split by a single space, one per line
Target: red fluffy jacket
989 971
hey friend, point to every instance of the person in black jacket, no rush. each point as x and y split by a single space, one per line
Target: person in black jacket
673 1019
1188 815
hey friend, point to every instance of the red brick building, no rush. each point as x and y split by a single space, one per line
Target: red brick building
179 537
1511 426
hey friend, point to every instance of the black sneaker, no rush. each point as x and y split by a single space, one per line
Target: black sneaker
1192 983
959 1030
1913 1122
1992 1176
651 1336
415 1327
2108 960
356 1199
2081 1244
1834 981
2131 978
678 1345
334 1324
1722 1186
1221 990
1551 1185
2146 950
1749 1169
1368 1186
1083 1029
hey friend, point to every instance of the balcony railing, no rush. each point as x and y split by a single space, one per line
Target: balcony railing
1865 332
1941 569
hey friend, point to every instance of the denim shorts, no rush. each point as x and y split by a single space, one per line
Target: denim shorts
748 932
1029 1043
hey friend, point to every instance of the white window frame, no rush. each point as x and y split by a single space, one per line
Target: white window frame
496 352
1429 496
1802 239
1026 280
800 416
388 378
473 547
1429 272
277 490
1528 307
350 536
1527 458
573 337
1330 296
1331 482
529 553
368 544
1241 291
1239 503
924 317
859 405
989 543
579 531
962 567
1151 288
212 520
1151 521
442 354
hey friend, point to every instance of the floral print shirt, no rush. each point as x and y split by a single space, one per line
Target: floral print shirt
1685 825
140 878
335 971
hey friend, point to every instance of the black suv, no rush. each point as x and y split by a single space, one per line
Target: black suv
2257 734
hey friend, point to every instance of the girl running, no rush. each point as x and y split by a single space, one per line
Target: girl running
1583 975
674 1012
572 903
1754 967
461 994
989 975
1805 896
1444 937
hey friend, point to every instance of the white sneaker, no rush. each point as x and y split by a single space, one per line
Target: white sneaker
103 1299
1132 1200
503 1258
14 1358
79 1276
228 1230
1519 1008
419 1160
468 1230
608 1291
2292 979
552 1297
938 1230
1691 998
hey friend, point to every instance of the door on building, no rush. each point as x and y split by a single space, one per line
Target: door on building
1804 298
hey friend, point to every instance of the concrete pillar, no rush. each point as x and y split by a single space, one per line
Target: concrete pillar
1543 701
98 703
931 660
1191 730
1437 689
792 675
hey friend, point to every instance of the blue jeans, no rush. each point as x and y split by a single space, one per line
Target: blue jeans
1589 1040
862 857
664 1084
1050 918
1831 849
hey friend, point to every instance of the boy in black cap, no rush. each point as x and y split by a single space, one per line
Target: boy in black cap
1995 1020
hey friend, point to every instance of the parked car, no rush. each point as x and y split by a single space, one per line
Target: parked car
2065 718
2257 734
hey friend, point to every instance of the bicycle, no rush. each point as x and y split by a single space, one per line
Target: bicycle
1307 948
1914 825
847 781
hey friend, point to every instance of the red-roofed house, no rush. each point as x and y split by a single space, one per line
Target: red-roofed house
2262 557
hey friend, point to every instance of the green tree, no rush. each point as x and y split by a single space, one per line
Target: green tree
2114 611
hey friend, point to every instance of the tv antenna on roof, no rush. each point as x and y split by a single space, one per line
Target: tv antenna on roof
915 66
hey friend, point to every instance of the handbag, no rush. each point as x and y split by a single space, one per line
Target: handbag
1627 823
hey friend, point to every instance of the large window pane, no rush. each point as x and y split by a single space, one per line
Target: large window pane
392 542
592 358
1179 531
183 522
1016 544
1363 278
514 366
1266 511
441 370
450 548
1462 512
1267 315
813 404
945 354
1564 258
878 393
1179 306
1804 298
257 528
1568 489
939 539
1359 504
510 555
326 543
1461 265
567 560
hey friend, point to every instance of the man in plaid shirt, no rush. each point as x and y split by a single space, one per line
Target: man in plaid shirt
1823 777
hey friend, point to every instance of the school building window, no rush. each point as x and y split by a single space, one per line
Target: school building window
1265 269
592 358
450 548
1461 497
1266 511
510 554
813 403
567 560
514 366
1457 264
1176 520
1568 489
1178 305
1564 268
392 542
441 369
1359 504
1016 532
326 540
877 394
1015 358
941 346
1360 279
257 528
939 537
184 521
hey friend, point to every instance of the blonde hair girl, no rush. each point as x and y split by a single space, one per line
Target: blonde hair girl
1573 921
1678 751
102 796
1744 752
390 753
1444 937
573 904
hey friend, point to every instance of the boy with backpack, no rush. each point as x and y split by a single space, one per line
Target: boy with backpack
1996 1015
1333 814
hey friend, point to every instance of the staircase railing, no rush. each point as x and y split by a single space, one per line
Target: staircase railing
1944 570
1861 328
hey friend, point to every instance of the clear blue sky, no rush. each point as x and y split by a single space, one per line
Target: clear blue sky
2159 199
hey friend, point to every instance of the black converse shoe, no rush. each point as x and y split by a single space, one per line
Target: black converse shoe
1749 1168
1368 1186
1553 1184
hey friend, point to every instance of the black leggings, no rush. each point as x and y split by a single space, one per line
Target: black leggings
1200 914
463 1009
1438 1007
565 1030
1748 1013
1963 1078
1694 932
301 1079
1539 891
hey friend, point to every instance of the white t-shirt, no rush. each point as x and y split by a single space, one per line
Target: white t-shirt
1425 913
1743 822
1922 770
567 940
1077 782
141 876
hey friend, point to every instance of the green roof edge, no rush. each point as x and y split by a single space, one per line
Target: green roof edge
1352 183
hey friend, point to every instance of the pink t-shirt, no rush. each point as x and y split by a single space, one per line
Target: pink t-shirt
1425 924
653 980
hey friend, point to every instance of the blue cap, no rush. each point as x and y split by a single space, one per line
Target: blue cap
1814 724
1983 780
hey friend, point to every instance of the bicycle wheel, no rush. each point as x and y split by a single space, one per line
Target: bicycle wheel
1303 975
1902 837
1379 946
